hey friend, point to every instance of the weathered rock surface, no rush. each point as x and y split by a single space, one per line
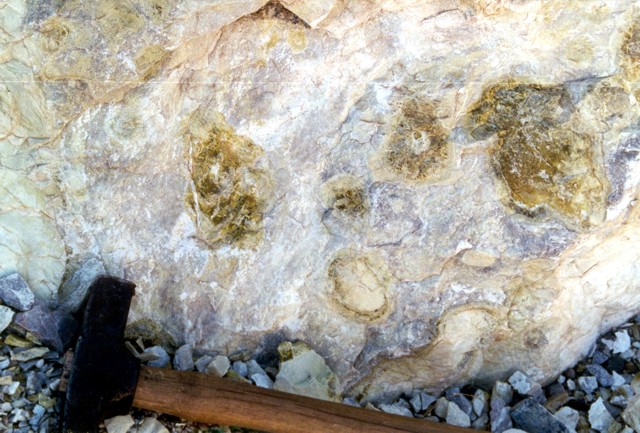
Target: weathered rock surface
426 192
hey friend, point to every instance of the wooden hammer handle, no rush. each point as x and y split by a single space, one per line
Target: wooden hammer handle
211 400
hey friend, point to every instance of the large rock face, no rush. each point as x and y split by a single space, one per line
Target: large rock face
425 192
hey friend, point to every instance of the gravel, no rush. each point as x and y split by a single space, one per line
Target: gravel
599 394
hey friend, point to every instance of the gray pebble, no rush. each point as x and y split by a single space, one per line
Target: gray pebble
455 395
16 293
254 368
119 424
521 383
480 402
6 317
599 417
568 416
622 343
442 405
502 391
219 366
456 416
501 420
588 383
162 357
532 417
152 425
262 380
240 368
604 377
396 409
183 358
203 362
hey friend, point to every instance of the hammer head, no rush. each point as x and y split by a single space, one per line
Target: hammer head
104 373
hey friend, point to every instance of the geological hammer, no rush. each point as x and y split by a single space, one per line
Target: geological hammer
106 380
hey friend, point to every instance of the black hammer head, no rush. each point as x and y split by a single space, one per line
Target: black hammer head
104 373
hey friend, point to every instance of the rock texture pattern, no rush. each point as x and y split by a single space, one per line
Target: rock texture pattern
425 192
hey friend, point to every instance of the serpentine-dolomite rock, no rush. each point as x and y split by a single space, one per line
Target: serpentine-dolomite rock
424 192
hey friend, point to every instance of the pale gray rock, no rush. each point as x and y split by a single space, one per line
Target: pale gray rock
456 416
599 417
480 402
588 383
254 368
568 416
74 290
119 424
203 362
421 401
532 417
514 430
55 328
396 409
152 425
617 380
240 368
6 317
622 343
219 366
631 414
523 383
604 377
441 407
306 373
262 380
501 419
502 391
362 183
162 358
16 293
183 358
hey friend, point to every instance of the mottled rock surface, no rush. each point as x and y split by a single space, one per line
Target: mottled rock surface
426 192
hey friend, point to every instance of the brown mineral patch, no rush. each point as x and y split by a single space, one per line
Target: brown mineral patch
417 148
229 192
345 195
360 285
541 161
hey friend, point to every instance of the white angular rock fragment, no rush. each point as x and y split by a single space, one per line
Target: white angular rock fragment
6 317
396 409
16 293
152 425
219 366
631 414
599 417
304 372
568 416
119 424
183 358
622 343
456 416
